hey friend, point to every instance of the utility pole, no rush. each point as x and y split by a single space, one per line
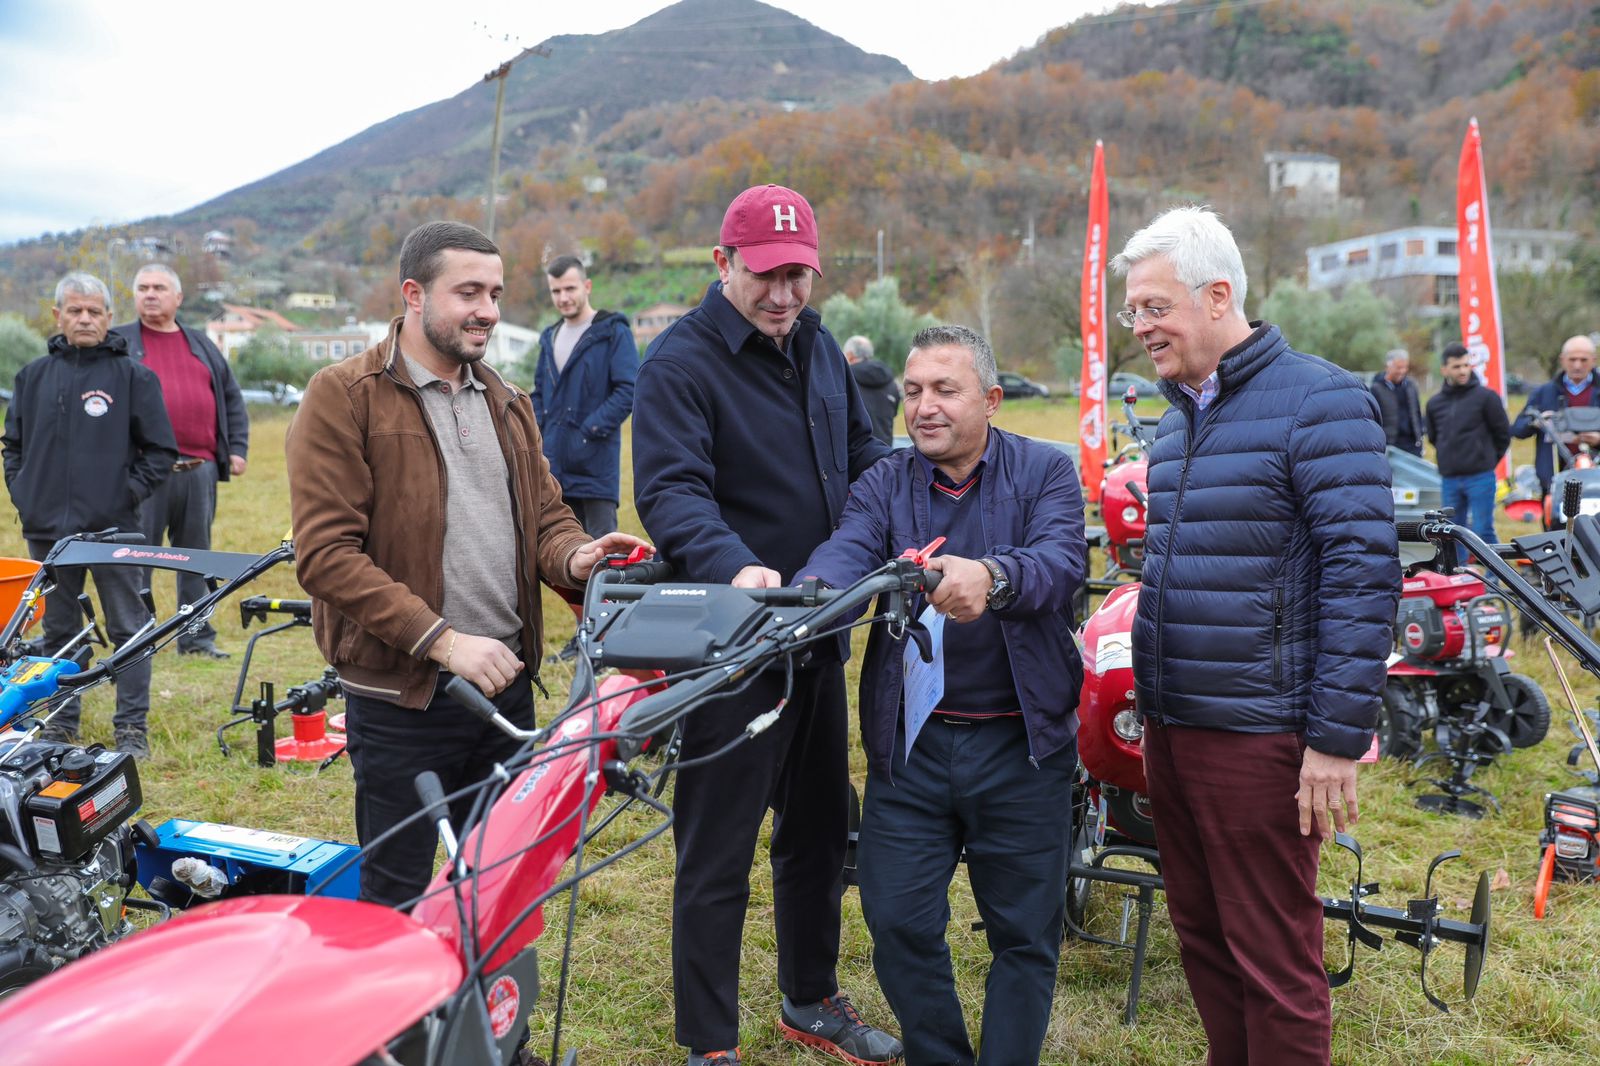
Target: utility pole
498 76
880 255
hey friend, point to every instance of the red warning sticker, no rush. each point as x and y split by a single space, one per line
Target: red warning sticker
503 1000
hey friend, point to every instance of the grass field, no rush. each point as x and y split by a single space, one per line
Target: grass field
1539 1001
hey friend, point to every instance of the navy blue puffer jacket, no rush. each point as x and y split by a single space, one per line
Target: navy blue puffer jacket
1271 569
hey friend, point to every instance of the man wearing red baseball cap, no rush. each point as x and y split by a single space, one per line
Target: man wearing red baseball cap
748 430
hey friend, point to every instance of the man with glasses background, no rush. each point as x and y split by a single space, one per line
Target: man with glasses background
1263 626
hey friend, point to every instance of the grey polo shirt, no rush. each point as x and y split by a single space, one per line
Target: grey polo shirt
480 536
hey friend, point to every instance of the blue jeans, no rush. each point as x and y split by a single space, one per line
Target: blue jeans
1472 495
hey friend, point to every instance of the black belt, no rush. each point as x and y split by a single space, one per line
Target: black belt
957 718
188 462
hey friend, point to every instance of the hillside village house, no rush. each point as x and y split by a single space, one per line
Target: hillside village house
649 323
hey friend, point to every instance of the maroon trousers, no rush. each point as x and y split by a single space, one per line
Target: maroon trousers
1241 886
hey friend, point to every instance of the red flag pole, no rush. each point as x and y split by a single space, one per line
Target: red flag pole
1476 289
1092 389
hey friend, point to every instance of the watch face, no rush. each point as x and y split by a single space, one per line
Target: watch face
1001 596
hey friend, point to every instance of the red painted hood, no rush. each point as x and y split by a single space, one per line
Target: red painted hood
285 981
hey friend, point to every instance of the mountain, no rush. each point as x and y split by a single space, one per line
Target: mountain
740 51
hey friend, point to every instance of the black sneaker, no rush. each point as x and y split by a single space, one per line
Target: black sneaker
208 651
715 1058
832 1025
56 734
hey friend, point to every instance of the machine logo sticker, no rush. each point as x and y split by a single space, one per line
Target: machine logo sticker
503 999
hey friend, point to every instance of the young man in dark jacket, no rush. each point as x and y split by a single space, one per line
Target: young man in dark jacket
87 440
208 418
741 463
878 389
1470 432
990 769
1263 630
1398 404
582 393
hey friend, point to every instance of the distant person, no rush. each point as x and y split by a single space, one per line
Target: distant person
86 441
1398 403
1470 432
878 389
424 524
1577 384
582 393
208 419
742 462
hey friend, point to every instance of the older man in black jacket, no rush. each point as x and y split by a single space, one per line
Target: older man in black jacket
1469 429
86 441
1398 404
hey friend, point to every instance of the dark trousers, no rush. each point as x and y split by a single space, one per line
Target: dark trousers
179 513
968 785
797 768
1241 885
598 517
389 746
121 613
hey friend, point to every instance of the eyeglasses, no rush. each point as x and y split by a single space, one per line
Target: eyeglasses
1145 314
1152 314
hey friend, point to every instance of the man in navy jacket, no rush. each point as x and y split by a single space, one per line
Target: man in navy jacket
990 770
1577 385
582 393
1263 629
742 457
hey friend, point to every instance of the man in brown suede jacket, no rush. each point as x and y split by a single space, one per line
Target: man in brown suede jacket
425 517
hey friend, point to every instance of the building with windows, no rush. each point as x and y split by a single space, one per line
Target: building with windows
1418 266
1311 179
649 323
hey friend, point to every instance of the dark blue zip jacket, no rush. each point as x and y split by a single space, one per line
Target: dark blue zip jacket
1551 396
233 421
581 409
1271 570
1033 523
87 440
743 454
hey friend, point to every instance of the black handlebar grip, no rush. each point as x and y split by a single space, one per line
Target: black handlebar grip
1572 498
649 572
471 697
1137 493
117 536
431 793
931 579
1409 532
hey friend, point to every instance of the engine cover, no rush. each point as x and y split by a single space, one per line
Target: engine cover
1424 631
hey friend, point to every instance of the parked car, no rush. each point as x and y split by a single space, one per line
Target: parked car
274 395
1143 387
1015 386
1515 386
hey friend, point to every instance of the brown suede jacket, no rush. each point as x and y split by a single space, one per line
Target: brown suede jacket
367 496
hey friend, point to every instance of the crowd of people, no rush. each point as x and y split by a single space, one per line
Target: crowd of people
431 497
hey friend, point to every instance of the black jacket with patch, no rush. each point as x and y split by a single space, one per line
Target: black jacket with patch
87 439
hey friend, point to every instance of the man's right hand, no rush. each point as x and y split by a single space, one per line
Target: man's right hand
483 661
756 577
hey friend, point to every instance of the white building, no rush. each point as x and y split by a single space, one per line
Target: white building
1310 178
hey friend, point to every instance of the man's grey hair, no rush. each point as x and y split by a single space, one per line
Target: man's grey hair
83 284
1395 355
953 336
159 268
1197 244
858 346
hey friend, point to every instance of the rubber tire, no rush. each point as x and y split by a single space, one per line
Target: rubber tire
1399 723
1078 888
20 966
1528 719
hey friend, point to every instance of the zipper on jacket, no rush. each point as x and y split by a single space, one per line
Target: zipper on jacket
1277 638
1166 556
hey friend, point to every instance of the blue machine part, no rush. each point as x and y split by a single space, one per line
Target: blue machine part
282 862
29 680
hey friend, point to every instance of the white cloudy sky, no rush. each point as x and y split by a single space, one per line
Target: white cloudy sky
90 89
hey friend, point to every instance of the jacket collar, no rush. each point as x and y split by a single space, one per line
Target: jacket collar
990 447
736 330
114 345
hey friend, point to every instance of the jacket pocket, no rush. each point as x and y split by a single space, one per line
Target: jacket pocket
838 414
1277 639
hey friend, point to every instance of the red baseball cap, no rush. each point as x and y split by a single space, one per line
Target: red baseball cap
772 227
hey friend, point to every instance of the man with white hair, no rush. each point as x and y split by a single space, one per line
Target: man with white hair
1399 406
208 418
86 440
1264 623
876 383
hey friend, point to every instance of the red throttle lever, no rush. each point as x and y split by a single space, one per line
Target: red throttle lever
919 557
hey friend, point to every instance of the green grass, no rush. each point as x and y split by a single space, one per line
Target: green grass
1539 1001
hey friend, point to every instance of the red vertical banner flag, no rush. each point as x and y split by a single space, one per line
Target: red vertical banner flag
1480 299
1092 429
